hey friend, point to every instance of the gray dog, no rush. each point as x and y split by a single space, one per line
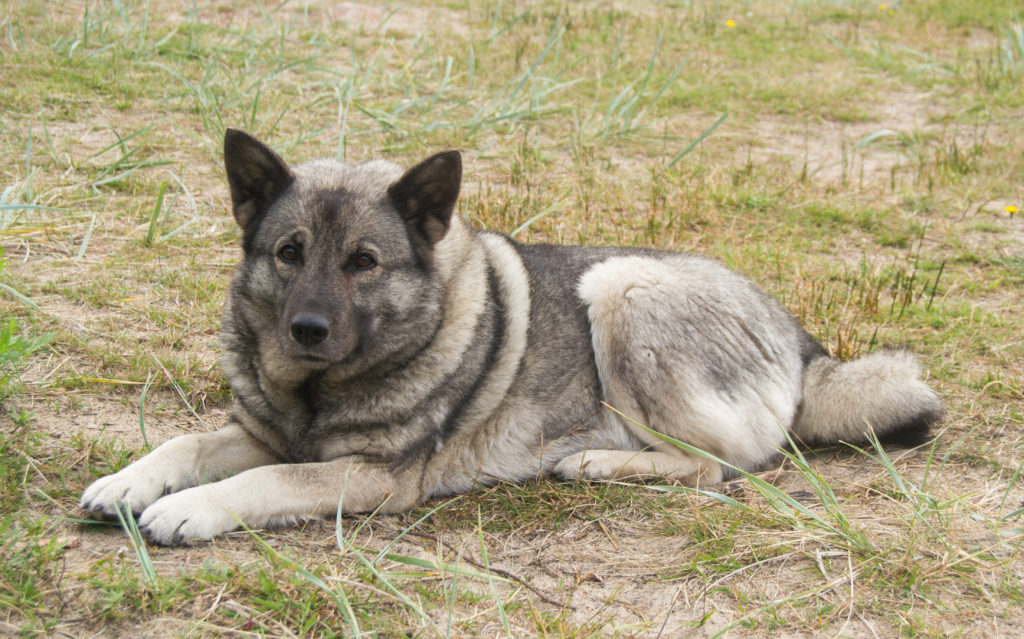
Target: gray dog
382 353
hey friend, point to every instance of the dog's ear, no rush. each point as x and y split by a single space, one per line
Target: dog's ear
425 196
256 175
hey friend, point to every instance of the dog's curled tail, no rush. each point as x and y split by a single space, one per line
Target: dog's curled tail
881 392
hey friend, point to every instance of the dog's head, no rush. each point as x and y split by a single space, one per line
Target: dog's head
339 258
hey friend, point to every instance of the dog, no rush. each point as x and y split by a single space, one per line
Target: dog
382 353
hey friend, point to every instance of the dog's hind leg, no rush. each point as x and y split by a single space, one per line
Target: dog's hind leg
680 466
689 350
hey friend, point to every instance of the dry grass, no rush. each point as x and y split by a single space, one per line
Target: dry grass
865 174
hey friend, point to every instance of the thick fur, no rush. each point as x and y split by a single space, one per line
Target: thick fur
382 353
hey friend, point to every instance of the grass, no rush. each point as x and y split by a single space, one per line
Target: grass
858 163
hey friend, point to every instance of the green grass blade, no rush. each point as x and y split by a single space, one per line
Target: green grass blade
693 145
155 215
553 208
24 300
138 543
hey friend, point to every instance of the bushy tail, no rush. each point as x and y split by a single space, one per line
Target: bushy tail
880 392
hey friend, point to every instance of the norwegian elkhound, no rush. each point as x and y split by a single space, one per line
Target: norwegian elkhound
382 352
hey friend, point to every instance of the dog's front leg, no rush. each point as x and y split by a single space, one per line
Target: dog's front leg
277 495
175 465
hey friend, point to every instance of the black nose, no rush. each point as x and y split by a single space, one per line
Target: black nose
309 330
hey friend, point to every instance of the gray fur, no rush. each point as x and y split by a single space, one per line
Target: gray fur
383 353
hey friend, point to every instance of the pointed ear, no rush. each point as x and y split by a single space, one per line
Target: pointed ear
256 175
425 196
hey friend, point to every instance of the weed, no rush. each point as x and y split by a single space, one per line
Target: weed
14 347
28 561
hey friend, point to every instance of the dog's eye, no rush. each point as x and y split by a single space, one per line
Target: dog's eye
363 261
288 254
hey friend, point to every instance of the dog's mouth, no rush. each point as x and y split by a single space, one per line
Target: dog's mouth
317 358
310 359
313 359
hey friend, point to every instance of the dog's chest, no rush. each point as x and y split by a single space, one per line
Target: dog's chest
325 421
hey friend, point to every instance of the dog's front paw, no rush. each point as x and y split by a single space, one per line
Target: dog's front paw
181 518
135 487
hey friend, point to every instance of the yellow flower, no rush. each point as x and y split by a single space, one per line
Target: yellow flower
881 7
730 23
1011 209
